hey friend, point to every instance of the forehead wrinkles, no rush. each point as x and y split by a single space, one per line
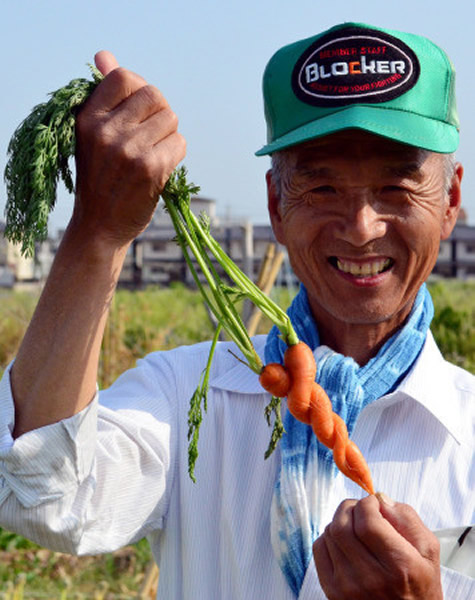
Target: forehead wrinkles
335 161
309 164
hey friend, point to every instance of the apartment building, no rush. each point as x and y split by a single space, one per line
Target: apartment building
156 259
457 254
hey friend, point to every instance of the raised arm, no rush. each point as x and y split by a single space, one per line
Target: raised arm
127 147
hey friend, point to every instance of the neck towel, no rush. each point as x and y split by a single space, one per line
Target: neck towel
307 469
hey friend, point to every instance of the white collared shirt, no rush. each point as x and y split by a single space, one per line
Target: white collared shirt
84 488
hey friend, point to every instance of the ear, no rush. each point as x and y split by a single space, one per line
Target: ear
453 204
275 209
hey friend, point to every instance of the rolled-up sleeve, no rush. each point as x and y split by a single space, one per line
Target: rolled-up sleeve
98 480
44 464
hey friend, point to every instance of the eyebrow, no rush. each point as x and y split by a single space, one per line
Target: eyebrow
404 170
409 170
308 172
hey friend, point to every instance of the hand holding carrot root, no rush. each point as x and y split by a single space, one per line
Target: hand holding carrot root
309 403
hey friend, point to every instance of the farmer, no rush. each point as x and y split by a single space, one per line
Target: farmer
361 129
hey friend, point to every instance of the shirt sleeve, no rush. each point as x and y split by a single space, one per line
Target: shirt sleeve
100 479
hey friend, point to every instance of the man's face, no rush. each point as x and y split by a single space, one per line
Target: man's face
362 218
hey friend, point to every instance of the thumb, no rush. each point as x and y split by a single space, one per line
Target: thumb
105 62
409 525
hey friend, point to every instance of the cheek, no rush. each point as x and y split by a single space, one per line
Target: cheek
304 234
422 241
297 226
420 223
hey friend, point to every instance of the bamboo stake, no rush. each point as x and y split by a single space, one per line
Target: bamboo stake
266 286
266 264
149 587
262 276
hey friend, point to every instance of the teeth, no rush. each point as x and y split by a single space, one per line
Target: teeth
366 269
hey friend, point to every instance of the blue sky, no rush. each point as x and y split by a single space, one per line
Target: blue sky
207 57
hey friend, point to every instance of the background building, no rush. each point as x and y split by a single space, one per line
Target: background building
457 254
156 259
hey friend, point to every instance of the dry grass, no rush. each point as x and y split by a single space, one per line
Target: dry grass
37 573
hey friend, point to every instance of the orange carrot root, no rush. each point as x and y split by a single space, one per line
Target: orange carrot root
308 402
357 468
323 423
275 380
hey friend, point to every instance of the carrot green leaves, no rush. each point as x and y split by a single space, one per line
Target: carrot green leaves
38 157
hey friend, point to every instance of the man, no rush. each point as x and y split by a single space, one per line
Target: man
360 124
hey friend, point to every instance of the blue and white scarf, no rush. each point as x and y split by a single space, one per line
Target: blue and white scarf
307 468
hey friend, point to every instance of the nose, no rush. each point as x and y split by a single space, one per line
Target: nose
360 221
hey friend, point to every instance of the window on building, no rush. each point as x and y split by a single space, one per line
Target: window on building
159 246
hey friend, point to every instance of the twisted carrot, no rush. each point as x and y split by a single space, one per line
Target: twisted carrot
308 402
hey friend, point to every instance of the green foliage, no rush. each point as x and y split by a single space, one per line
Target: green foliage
278 430
194 238
195 413
10 542
453 324
39 153
34 573
16 310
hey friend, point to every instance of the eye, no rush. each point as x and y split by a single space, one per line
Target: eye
393 189
323 189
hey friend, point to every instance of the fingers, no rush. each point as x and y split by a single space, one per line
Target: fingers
378 535
121 84
157 127
105 62
118 85
404 519
363 554
156 165
127 146
134 130
325 564
345 570
142 104
344 546
125 107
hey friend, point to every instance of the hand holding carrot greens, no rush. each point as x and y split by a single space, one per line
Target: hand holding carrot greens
126 146
38 157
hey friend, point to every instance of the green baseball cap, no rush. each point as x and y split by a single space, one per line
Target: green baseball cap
397 85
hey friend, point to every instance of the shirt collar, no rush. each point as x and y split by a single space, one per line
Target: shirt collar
240 378
429 382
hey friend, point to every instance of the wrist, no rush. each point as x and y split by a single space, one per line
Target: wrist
92 248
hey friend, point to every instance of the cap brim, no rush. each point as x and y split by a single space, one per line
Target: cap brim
400 126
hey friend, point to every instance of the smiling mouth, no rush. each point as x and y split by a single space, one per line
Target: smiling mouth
368 268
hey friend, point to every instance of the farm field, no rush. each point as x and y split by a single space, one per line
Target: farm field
141 322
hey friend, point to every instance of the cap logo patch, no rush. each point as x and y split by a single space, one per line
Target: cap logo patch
354 65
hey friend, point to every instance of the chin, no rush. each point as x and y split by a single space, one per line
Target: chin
367 313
